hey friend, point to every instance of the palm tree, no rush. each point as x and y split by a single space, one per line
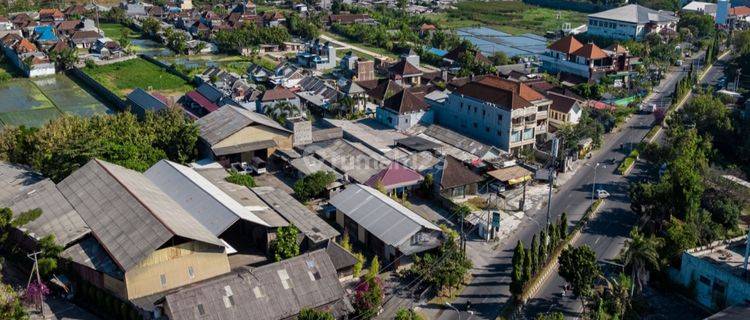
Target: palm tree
281 111
639 254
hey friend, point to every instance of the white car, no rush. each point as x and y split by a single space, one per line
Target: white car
601 194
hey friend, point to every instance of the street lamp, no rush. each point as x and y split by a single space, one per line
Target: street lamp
454 308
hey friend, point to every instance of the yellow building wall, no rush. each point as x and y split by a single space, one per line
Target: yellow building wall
173 262
115 286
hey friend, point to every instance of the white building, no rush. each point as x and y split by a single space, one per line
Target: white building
701 8
716 272
630 22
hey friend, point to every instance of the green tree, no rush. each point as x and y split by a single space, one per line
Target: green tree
285 245
517 279
312 314
11 307
639 255
151 26
447 268
50 252
357 268
528 271
578 267
281 111
535 262
543 248
374 268
313 185
65 58
407 314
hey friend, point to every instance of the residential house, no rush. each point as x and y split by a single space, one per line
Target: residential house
454 58
75 11
403 110
142 242
141 102
44 36
5 24
353 91
357 68
316 93
454 180
342 260
68 27
51 15
383 225
631 21
107 48
739 17
564 110
717 273
233 134
275 291
396 179
134 9
405 73
459 146
203 100
278 95
351 18
273 19
570 56
700 7
502 113
85 39
26 57
287 75
318 56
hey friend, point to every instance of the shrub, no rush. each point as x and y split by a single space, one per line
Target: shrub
240 179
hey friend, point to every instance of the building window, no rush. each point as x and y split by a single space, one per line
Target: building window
201 310
191 273
475 125
499 117
257 292
499 133
285 280
228 297
163 279
312 271
705 280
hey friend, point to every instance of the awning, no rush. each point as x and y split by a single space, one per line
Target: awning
511 175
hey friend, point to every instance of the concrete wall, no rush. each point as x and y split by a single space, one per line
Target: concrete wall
403 121
174 262
482 121
95 86
615 29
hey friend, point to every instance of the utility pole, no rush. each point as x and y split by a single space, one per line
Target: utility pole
593 185
35 269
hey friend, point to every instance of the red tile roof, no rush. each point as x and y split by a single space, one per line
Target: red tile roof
590 51
567 44
505 93
202 101
395 176
740 11
278 93
24 46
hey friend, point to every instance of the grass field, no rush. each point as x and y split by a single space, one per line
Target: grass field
123 77
114 31
508 16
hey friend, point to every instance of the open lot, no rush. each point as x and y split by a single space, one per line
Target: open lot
512 17
123 77
196 64
34 102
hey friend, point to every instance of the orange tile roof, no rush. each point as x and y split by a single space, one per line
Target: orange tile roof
507 93
24 46
740 11
567 44
590 51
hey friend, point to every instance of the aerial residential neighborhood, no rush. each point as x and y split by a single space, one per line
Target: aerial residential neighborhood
360 159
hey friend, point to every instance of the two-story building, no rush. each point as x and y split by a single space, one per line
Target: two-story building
632 21
500 112
568 55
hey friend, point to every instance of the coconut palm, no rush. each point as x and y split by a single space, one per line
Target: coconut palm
639 254
281 111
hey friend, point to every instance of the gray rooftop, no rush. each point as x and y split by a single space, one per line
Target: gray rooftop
208 204
383 217
23 190
244 196
129 215
635 13
90 253
462 142
227 120
349 159
275 291
312 226
308 165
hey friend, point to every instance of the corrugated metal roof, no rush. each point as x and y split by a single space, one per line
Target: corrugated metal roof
275 291
312 226
213 208
23 190
130 216
244 196
348 159
382 216
226 121
90 253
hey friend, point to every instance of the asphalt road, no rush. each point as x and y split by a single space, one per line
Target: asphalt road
489 288
607 233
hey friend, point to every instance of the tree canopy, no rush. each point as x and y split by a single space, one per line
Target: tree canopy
313 185
285 245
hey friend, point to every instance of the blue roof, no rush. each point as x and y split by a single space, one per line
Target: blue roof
144 100
437 52
45 33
